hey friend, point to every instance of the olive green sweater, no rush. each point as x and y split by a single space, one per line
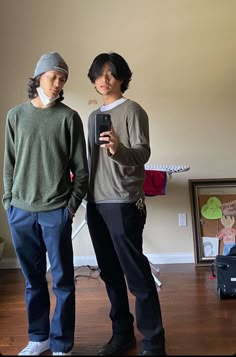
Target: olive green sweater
119 178
42 148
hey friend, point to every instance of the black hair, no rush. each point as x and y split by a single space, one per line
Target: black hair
32 92
119 68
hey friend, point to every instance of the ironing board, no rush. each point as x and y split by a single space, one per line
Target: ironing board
169 169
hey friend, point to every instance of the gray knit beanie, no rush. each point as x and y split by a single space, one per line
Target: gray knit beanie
51 61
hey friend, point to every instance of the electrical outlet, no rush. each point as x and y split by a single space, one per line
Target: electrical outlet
182 217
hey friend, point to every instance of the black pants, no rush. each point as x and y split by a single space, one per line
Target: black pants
116 232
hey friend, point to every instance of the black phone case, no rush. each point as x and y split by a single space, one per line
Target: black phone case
102 123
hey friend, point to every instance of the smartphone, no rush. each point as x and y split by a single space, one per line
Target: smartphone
102 123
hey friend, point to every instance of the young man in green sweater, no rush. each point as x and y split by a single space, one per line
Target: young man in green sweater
116 211
44 144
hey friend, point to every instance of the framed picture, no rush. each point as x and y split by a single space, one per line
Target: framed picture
213 207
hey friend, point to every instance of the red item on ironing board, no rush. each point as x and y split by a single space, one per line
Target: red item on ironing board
155 183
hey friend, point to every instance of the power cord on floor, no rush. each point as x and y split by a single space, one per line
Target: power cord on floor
87 271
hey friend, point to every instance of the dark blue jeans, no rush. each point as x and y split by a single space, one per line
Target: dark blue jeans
34 233
116 231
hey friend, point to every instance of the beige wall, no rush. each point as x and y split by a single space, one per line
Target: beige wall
182 54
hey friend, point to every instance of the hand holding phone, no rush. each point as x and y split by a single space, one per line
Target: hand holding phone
102 123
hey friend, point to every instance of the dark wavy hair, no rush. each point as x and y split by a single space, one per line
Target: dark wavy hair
119 68
32 92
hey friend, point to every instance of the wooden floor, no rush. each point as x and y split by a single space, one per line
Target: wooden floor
196 321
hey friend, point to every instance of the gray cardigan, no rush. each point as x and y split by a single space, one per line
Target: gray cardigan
119 178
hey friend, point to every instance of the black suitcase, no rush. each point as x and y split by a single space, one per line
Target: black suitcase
224 269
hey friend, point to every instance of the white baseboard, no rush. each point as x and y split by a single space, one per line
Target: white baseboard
85 260
171 258
165 258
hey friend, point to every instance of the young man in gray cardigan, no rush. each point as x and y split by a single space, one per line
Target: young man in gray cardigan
44 144
116 211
